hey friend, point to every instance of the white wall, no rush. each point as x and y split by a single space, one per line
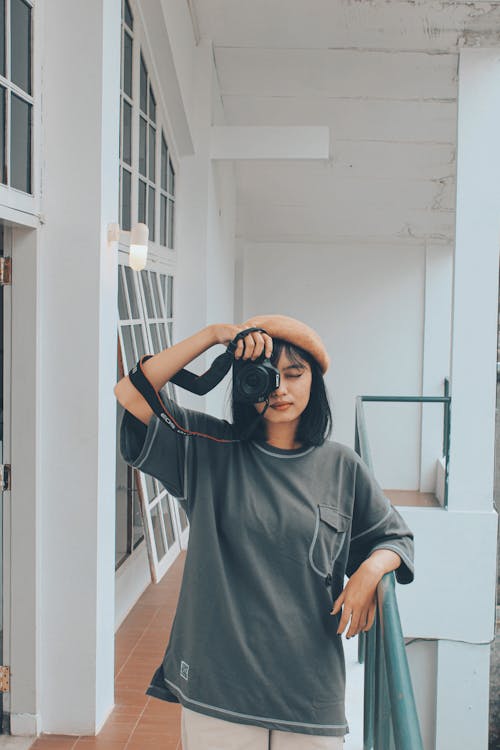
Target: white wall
367 303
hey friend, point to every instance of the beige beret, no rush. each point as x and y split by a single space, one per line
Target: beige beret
293 331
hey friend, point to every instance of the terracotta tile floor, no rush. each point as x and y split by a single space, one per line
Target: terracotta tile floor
137 721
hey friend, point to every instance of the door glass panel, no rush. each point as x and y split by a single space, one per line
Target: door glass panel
163 336
147 294
183 518
128 343
132 293
154 284
122 302
154 337
157 530
139 341
167 520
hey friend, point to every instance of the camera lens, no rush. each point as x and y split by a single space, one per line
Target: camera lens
253 381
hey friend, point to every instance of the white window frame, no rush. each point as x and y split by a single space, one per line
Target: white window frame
156 251
13 200
151 502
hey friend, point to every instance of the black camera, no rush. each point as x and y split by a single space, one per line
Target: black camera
254 380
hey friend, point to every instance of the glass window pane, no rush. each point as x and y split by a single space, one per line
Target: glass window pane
155 339
129 18
170 297
154 285
143 137
152 153
157 531
144 87
141 216
122 495
152 105
132 294
150 486
122 302
2 37
164 163
137 524
127 64
170 177
3 165
20 143
163 336
151 214
170 223
126 199
128 345
167 520
163 220
140 344
170 333
20 44
183 518
146 283
127 133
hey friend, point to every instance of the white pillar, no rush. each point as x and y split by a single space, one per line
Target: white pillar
475 282
78 291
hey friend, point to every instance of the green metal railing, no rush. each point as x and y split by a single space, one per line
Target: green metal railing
390 715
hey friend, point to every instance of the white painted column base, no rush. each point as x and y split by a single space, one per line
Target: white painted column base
462 695
25 725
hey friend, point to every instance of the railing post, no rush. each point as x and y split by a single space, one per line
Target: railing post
382 706
369 688
404 711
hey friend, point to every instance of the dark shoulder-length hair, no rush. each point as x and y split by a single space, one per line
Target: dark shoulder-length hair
315 424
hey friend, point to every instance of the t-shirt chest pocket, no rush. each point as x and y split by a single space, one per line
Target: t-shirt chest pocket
328 539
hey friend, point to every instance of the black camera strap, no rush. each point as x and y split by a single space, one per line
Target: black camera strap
199 384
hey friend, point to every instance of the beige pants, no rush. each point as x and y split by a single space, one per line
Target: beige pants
201 732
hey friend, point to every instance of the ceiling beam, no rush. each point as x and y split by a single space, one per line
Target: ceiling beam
265 142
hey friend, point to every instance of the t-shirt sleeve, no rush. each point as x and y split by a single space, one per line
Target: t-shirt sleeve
376 524
160 450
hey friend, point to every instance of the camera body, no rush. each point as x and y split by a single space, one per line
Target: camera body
254 380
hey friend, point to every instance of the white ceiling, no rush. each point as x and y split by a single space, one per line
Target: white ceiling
383 75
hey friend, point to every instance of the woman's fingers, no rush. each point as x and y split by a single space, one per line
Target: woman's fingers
371 616
254 345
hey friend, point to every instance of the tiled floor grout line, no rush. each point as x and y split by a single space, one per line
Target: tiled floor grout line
137 642
136 723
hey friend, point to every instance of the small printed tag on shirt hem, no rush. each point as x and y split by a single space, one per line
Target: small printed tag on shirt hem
184 670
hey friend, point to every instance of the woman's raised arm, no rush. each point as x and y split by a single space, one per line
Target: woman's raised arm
161 367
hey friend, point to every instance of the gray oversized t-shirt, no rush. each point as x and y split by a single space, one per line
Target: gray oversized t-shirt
272 534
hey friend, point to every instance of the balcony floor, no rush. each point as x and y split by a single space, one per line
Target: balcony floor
139 722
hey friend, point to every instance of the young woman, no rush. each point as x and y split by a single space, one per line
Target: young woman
277 519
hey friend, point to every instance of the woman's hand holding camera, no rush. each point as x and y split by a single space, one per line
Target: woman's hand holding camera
249 347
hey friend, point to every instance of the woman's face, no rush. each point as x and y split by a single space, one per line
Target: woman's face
293 392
